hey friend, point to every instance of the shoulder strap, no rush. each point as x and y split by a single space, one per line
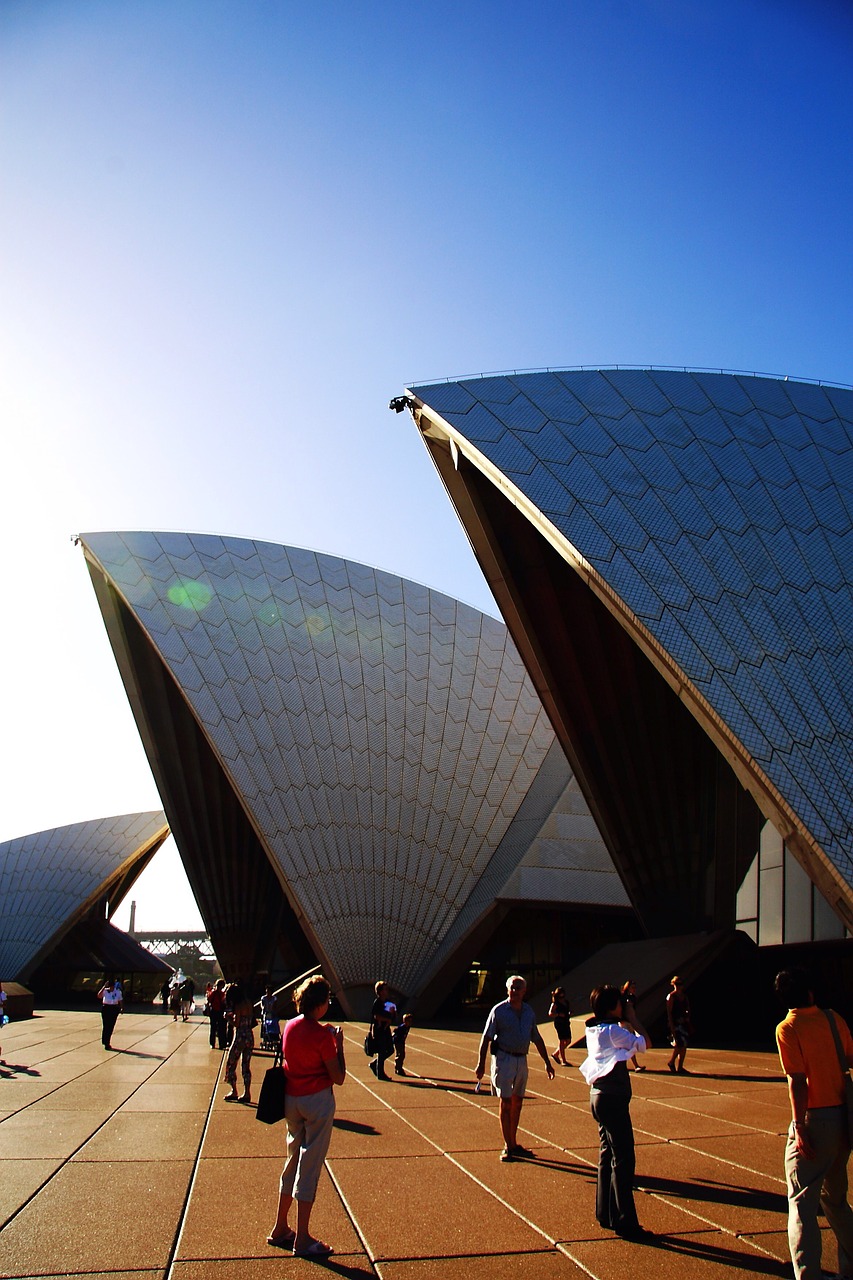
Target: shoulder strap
842 1061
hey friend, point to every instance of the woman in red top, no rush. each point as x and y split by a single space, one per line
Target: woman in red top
313 1062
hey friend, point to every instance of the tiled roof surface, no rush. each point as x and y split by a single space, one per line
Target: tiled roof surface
719 509
48 877
381 735
567 861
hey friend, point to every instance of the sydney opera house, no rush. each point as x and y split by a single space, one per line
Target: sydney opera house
657 739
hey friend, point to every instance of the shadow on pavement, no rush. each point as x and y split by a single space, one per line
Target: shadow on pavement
715 1193
355 1126
746 1263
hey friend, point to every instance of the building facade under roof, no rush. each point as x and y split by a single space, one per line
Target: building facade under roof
673 554
52 881
354 766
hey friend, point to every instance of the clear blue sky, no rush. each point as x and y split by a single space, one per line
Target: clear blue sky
230 232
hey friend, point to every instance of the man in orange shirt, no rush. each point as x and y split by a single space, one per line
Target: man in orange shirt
818 1146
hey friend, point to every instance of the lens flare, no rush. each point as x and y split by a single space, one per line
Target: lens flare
269 614
188 594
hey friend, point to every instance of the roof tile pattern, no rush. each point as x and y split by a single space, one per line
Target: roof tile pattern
567 861
49 877
381 735
719 508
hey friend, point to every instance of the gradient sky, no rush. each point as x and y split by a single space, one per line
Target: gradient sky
230 232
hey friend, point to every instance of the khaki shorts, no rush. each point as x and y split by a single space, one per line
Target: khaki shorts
509 1074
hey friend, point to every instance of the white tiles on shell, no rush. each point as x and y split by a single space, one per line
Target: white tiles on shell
47 877
377 730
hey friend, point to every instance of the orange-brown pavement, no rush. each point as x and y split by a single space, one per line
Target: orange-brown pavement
130 1164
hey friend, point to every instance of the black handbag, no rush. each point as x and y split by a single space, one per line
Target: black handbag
845 1071
273 1090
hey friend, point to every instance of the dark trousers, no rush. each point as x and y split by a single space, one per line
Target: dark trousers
218 1033
109 1018
384 1046
614 1194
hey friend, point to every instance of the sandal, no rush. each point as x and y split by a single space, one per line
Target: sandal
284 1241
316 1249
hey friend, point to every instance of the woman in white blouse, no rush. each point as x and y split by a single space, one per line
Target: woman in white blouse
610 1043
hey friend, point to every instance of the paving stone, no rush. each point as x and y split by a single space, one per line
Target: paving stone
191 1072
752 1114
706 1255
157 1274
88 1095
413 1208
233 1132
349 1266
404 1093
215 1228
62 1230
139 1135
460 1128
566 1126
548 1265
21 1179
64 1067
670 1121
32 1134
362 1134
762 1153
19 1093
169 1097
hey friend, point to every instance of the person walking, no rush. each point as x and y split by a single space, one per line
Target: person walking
628 992
241 1014
509 1030
610 1042
562 1015
313 1063
400 1035
815 1049
382 1016
187 997
216 1004
680 1026
112 1004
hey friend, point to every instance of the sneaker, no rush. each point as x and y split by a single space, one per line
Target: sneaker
671 1066
682 1071
524 1152
507 1156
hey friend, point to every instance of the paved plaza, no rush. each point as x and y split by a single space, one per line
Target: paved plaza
130 1164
